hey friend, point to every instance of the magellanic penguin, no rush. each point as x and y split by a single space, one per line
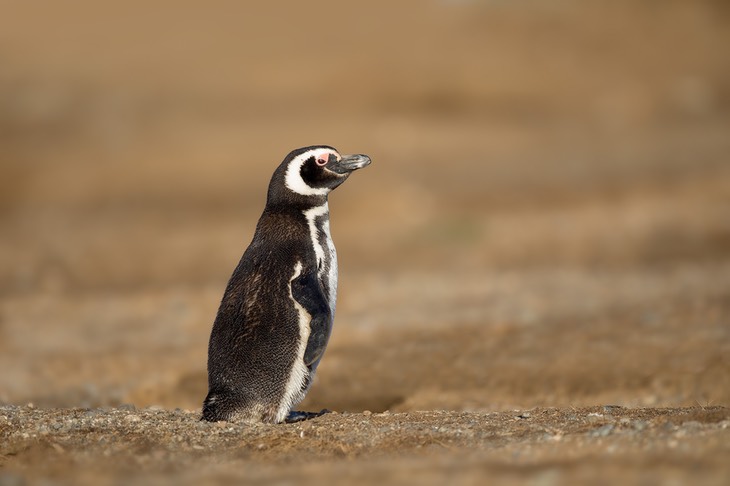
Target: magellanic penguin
277 311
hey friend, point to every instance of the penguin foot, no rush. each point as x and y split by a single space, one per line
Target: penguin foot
295 416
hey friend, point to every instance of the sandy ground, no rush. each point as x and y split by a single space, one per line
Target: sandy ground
534 272
544 446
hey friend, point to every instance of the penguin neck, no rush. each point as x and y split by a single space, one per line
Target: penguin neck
294 202
314 215
317 215
318 218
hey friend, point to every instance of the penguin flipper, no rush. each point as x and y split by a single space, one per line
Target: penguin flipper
307 291
318 338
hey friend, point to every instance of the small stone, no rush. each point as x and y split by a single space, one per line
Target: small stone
367 413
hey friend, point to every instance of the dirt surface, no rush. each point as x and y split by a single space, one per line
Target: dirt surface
534 271
543 445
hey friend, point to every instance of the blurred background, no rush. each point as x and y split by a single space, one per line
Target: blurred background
546 221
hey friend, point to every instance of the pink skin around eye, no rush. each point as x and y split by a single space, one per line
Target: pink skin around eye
323 158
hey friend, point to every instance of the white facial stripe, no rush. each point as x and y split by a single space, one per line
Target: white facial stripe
293 179
293 391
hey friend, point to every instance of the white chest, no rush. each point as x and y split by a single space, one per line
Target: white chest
324 250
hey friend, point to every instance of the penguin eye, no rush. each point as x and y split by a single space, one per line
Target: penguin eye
322 160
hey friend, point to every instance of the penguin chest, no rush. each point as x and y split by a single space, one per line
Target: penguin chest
324 251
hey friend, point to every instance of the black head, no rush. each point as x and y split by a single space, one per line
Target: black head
309 174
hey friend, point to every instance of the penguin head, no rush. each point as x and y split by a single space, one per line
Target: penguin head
312 172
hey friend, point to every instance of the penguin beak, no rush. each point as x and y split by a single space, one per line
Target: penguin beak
348 163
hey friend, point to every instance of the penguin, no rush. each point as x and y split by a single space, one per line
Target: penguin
277 311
